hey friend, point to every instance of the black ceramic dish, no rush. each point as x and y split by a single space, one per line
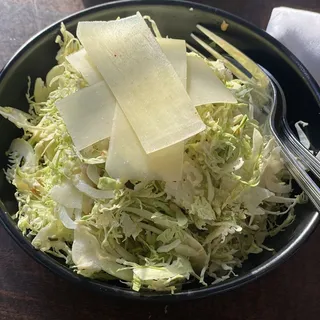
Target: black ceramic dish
176 19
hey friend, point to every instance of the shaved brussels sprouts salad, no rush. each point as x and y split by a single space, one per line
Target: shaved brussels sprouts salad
151 235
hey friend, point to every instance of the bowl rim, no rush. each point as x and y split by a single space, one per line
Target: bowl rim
62 270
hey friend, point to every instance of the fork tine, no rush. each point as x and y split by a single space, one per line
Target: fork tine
192 49
235 53
237 72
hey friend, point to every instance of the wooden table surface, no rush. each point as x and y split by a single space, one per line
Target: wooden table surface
29 291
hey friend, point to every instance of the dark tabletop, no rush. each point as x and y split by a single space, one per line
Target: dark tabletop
29 291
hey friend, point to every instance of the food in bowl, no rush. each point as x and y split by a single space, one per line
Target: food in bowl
144 163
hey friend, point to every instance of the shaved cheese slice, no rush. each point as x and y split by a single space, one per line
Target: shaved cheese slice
175 51
167 163
80 61
204 86
88 114
143 81
127 159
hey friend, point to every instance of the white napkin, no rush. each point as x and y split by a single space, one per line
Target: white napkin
299 31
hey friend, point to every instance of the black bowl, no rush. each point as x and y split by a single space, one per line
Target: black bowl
176 19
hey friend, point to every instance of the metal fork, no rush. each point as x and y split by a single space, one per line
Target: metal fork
291 148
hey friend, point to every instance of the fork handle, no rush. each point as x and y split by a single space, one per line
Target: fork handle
303 154
298 171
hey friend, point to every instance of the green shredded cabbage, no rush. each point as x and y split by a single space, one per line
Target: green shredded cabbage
150 235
